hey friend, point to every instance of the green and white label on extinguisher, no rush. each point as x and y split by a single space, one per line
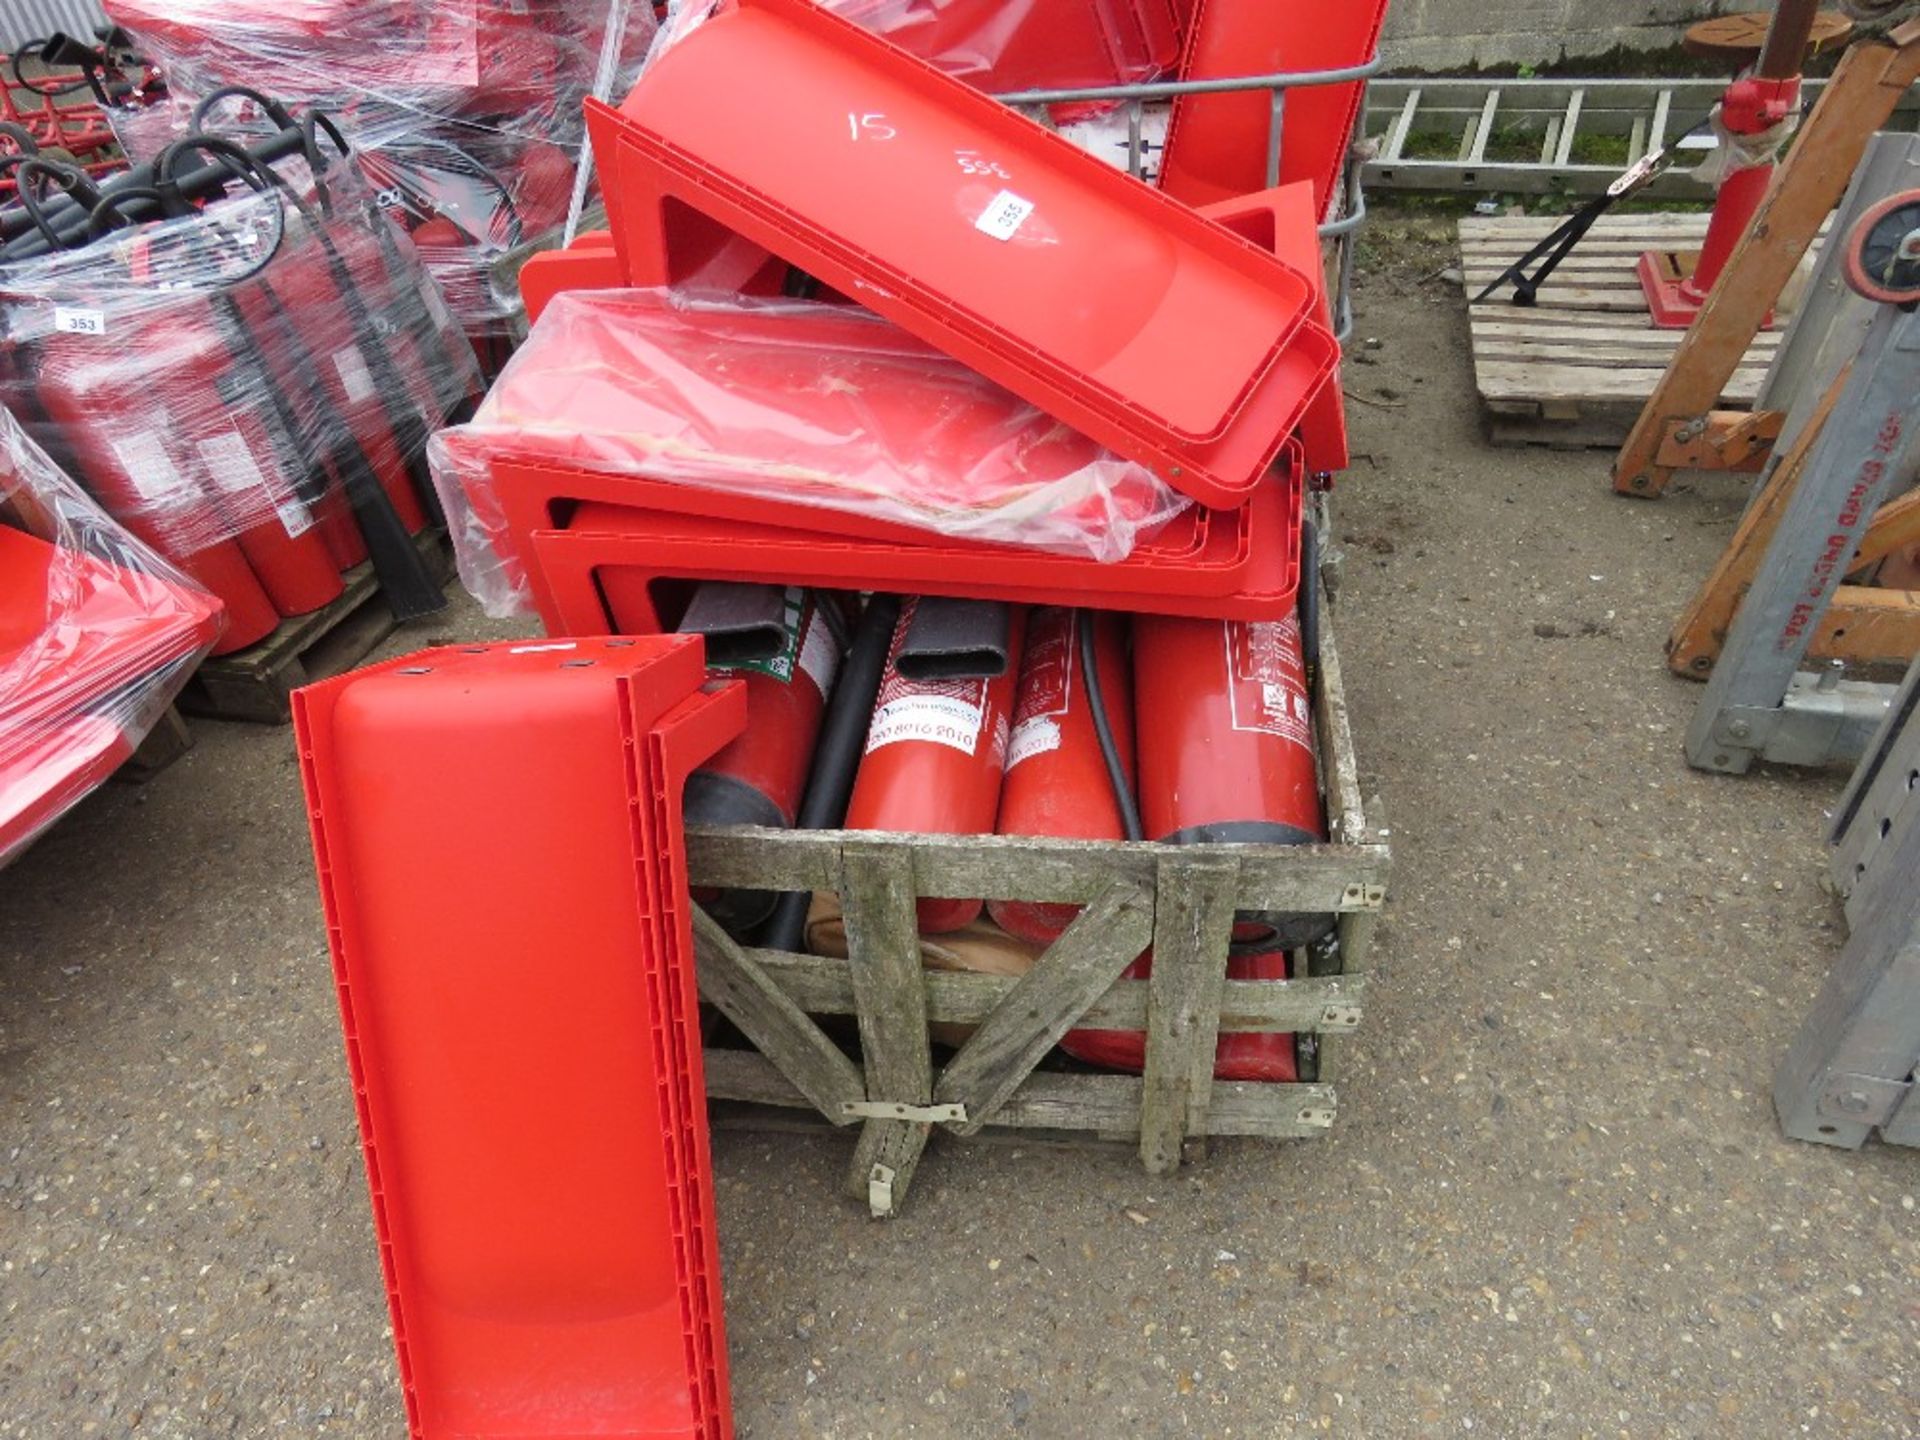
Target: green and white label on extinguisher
805 644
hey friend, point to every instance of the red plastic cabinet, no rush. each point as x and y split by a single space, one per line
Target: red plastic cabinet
1112 307
1285 221
1217 143
606 569
497 834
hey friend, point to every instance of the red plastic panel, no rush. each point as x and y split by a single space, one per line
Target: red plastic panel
1111 307
1006 45
1246 565
1217 144
78 637
497 835
1284 221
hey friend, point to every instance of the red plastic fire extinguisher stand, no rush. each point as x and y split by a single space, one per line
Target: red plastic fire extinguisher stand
497 834
1032 262
612 558
1217 143
1284 221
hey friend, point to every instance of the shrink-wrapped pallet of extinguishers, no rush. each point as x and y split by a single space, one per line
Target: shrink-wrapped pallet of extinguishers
97 635
466 113
241 359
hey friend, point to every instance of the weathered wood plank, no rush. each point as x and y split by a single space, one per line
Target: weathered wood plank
734 983
1099 1104
1106 937
822 985
883 959
1340 769
1503 379
1192 929
1014 867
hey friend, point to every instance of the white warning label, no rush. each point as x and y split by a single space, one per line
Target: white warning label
1269 690
1046 684
354 374
149 467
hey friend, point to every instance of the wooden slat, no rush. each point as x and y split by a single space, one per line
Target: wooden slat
736 984
883 958
1504 379
1192 928
1895 526
823 985
1098 1104
1106 937
1298 878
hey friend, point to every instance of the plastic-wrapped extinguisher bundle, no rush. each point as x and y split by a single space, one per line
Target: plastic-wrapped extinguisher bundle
466 113
249 387
786 400
97 635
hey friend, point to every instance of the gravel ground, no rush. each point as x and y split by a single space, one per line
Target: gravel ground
1556 1202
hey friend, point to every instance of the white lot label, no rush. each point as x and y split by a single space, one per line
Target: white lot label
79 322
1004 214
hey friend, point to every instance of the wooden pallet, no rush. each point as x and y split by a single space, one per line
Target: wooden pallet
1575 371
257 683
166 742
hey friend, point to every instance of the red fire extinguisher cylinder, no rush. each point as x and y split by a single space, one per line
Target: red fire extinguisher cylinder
1226 746
936 751
1058 782
758 778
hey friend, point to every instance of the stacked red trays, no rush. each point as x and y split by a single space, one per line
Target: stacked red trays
82 643
1217 143
511 940
1112 307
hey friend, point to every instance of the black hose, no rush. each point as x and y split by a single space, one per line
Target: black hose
1308 603
1086 622
836 756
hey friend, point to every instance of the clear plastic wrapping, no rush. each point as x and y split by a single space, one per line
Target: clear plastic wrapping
1009 45
787 400
239 386
467 113
97 635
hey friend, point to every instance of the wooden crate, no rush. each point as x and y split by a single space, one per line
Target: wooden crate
1575 370
257 683
1180 900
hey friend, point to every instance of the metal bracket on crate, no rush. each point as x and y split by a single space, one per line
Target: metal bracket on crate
1320 1117
1340 1017
900 1110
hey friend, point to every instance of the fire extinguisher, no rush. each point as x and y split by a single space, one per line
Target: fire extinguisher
1061 771
757 779
1225 735
937 744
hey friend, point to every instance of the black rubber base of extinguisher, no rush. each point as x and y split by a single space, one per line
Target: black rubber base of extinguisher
1290 929
726 800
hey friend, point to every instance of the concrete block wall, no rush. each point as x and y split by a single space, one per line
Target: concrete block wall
1444 34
